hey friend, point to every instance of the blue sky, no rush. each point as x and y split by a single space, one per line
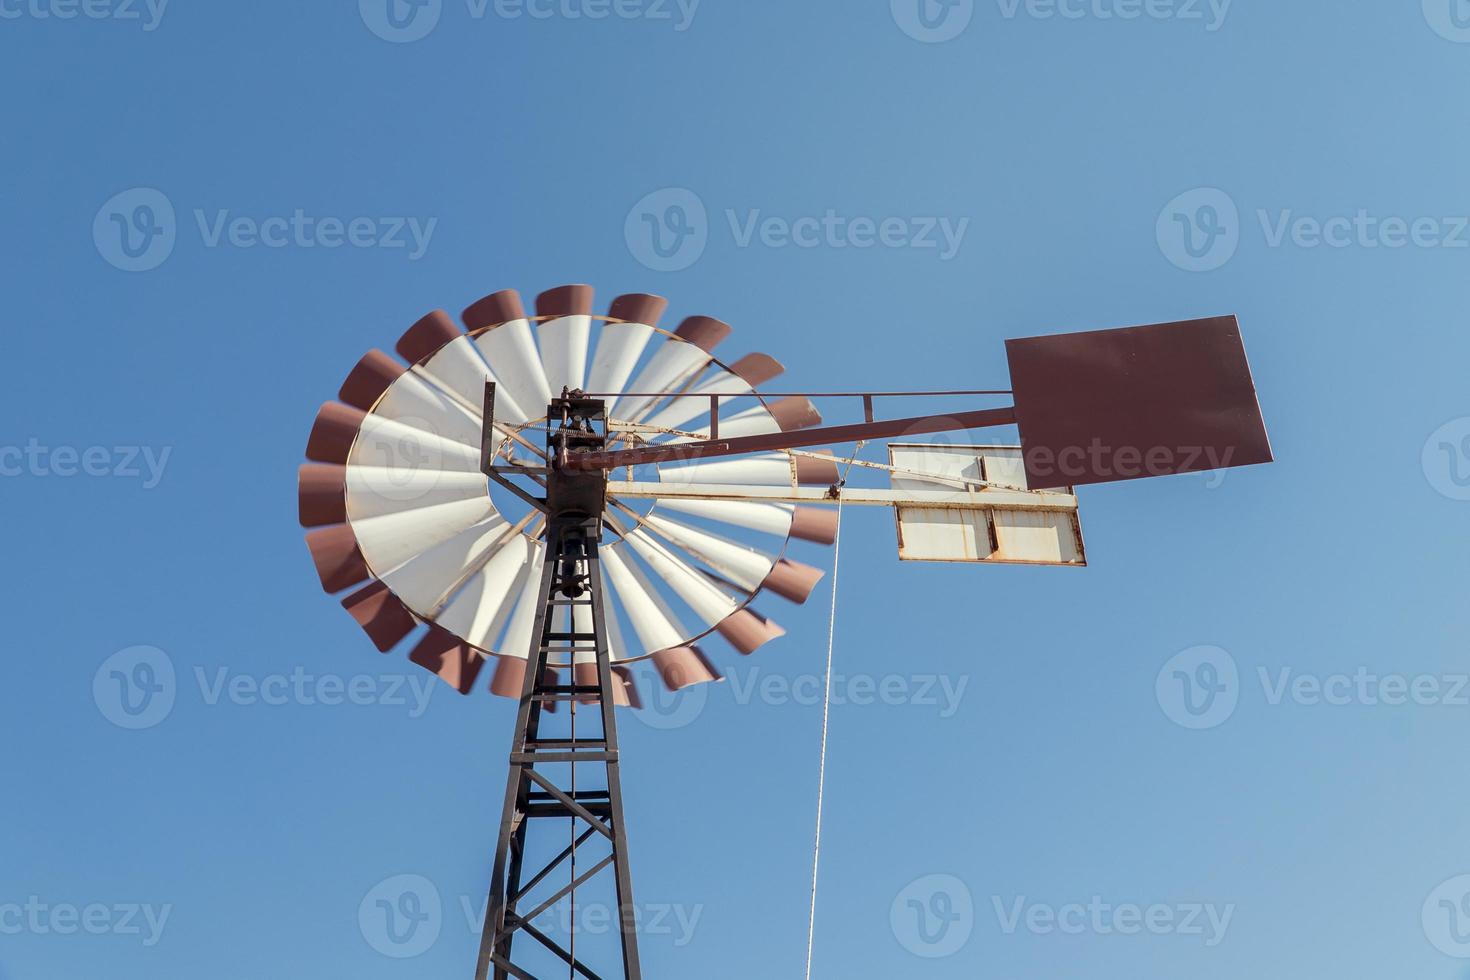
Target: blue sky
1041 796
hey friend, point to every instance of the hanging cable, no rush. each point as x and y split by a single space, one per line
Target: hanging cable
811 926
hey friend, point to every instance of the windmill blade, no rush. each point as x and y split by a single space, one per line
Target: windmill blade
510 349
321 493
679 666
408 399
745 375
389 540
517 639
815 524
747 631
483 607
510 677
705 599
385 444
565 338
792 580
337 557
442 654
447 358
431 577
782 415
382 616
681 357
374 491
767 470
620 345
742 565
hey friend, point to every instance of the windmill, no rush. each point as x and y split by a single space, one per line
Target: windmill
465 495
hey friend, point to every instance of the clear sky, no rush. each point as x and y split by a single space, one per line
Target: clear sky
1046 791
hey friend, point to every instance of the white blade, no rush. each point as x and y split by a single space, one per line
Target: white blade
510 350
564 352
753 422
392 539
431 576
765 518
657 626
619 346
704 598
406 449
671 365
460 371
681 410
373 491
418 404
483 607
773 470
517 640
746 567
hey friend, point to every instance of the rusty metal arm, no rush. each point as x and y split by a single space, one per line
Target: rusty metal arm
773 442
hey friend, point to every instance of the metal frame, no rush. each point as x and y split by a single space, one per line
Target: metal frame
571 577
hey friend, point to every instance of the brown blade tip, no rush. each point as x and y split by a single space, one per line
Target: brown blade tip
811 472
817 524
748 631
380 613
426 337
339 562
333 432
794 412
493 310
369 379
681 667
756 369
792 580
638 308
574 300
321 492
703 331
444 655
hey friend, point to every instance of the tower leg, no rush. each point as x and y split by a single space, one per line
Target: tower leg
535 790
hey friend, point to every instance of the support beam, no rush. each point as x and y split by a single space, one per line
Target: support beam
1042 500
